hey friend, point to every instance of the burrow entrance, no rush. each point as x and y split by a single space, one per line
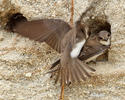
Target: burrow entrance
96 25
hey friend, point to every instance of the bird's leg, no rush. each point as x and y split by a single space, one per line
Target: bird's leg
62 92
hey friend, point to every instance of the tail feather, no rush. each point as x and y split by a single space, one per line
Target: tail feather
90 68
75 71
80 73
82 68
67 75
72 74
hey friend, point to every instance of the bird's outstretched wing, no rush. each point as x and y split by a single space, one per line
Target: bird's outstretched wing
50 31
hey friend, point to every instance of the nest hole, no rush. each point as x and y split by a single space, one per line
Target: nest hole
95 26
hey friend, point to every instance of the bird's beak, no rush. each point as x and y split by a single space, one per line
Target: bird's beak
105 42
105 39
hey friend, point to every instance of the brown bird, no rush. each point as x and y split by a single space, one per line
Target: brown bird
56 33
71 69
95 45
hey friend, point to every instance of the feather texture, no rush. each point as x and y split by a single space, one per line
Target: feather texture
50 31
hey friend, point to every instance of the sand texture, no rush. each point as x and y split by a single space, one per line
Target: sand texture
23 63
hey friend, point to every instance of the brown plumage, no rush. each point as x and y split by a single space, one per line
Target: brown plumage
72 69
59 35
13 20
50 31
94 46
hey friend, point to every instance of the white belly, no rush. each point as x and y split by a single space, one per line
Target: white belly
76 51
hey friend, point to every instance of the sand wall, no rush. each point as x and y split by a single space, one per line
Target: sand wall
23 62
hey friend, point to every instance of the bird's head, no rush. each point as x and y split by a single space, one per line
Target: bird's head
104 37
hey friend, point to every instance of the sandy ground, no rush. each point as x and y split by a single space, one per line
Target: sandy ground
23 63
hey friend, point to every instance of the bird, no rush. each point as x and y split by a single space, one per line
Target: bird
71 69
96 45
63 38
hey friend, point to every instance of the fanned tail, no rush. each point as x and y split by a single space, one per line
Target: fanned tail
74 71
